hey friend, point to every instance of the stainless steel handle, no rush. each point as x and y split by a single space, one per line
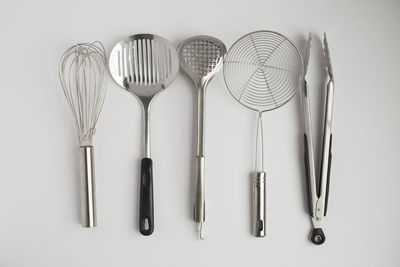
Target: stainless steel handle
259 188
309 147
199 205
199 212
201 106
88 190
326 149
146 102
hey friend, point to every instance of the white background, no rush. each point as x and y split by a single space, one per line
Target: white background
39 183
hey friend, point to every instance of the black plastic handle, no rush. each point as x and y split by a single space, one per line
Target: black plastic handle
328 178
307 172
146 216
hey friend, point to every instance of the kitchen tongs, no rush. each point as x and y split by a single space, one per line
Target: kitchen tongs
318 199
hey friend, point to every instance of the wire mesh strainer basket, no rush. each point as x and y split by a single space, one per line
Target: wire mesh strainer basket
263 71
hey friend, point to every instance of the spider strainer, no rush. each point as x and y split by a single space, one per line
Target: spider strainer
262 71
200 57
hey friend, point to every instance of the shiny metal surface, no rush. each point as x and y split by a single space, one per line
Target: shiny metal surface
306 58
327 132
82 71
318 196
263 71
327 55
88 187
144 64
199 212
200 57
259 199
308 126
79 65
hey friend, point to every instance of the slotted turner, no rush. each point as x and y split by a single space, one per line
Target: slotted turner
144 64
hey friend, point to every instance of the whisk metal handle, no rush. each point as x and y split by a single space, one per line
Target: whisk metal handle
88 190
259 188
146 216
199 204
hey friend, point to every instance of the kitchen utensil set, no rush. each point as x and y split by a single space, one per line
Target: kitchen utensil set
262 71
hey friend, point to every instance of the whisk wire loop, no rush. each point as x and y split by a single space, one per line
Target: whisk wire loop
82 72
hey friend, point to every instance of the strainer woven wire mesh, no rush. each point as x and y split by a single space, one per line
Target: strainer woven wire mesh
263 70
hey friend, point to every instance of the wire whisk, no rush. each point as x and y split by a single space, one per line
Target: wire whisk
82 71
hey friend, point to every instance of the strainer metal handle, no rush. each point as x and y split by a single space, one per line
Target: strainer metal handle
259 191
262 71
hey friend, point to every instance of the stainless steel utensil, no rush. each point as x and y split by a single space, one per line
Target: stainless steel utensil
144 64
200 58
318 199
82 72
262 71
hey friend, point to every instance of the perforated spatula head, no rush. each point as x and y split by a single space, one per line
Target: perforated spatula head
144 64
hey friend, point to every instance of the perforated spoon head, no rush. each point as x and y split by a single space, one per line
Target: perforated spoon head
201 57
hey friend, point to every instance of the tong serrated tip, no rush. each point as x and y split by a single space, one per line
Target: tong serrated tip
328 58
307 54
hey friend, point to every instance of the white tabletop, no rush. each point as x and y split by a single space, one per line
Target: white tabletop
39 184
